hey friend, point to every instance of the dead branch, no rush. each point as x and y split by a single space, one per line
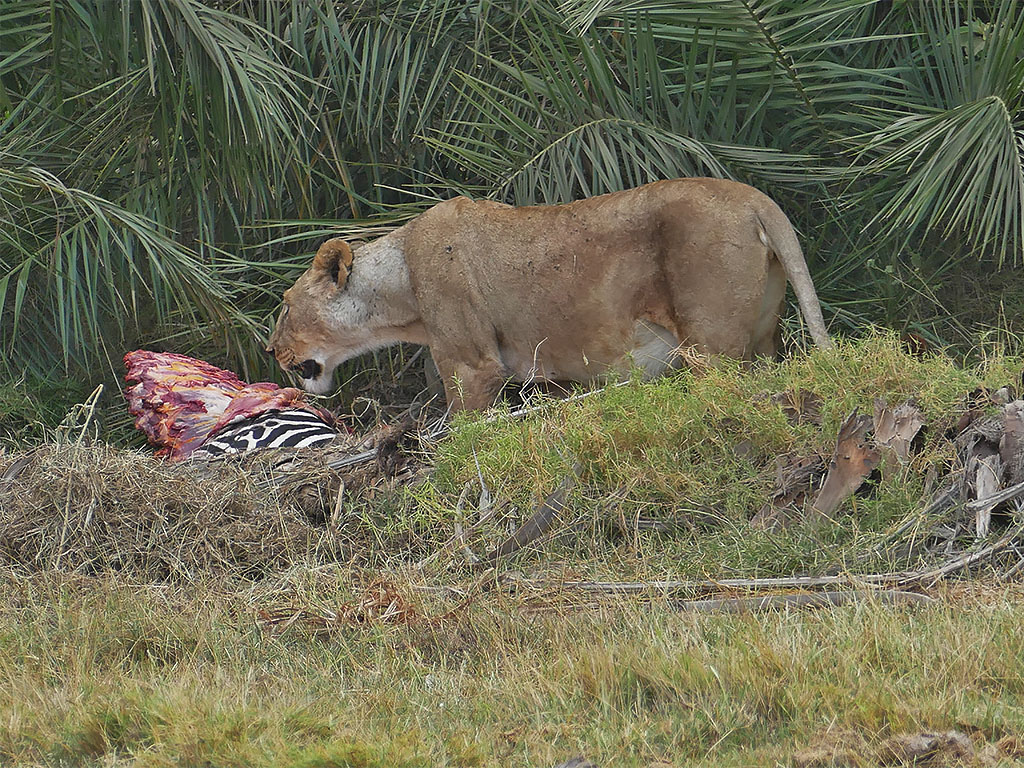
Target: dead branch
986 466
964 561
949 497
530 409
852 461
1011 444
1013 492
1012 572
896 428
800 600
576 762
539 523
776 602
795 477
486 514
339 505
720 585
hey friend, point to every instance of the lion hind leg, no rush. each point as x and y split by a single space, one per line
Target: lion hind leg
719 337
767 334
728 309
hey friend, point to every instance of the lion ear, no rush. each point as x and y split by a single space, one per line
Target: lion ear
334 258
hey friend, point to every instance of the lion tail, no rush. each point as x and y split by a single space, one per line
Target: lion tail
777 233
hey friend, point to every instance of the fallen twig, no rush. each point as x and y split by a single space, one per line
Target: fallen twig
947 498
987 469
784 601
539 523
799 600
904 579
339 505
719 585
1012 572
527 410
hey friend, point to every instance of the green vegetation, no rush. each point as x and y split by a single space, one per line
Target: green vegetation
167 165
100 673
396 656
670 450
29 412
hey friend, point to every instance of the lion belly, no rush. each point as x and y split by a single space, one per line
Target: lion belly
648 348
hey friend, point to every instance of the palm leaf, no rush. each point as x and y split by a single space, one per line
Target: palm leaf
945 155
88 266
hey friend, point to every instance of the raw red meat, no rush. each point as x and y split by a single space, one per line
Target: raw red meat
181 402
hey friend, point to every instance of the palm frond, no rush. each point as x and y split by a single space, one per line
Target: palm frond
86 267
945 154
169 163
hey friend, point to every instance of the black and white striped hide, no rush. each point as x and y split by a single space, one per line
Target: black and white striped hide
272 429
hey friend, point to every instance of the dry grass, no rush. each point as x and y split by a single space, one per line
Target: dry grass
154 616
90 508
98 672
93 508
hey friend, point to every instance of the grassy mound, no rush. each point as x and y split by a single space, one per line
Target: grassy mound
696 455
666 477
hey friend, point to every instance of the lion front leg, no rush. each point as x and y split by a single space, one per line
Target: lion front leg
471 387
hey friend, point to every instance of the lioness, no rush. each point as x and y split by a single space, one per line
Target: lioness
560 292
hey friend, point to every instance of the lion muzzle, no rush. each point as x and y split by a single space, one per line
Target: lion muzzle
307 369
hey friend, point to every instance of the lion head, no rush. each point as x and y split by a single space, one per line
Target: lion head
306 340
353 299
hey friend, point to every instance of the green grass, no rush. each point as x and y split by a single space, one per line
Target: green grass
32 409
104 673
667 450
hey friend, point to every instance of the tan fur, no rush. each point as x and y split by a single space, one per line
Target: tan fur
564 292
335 253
